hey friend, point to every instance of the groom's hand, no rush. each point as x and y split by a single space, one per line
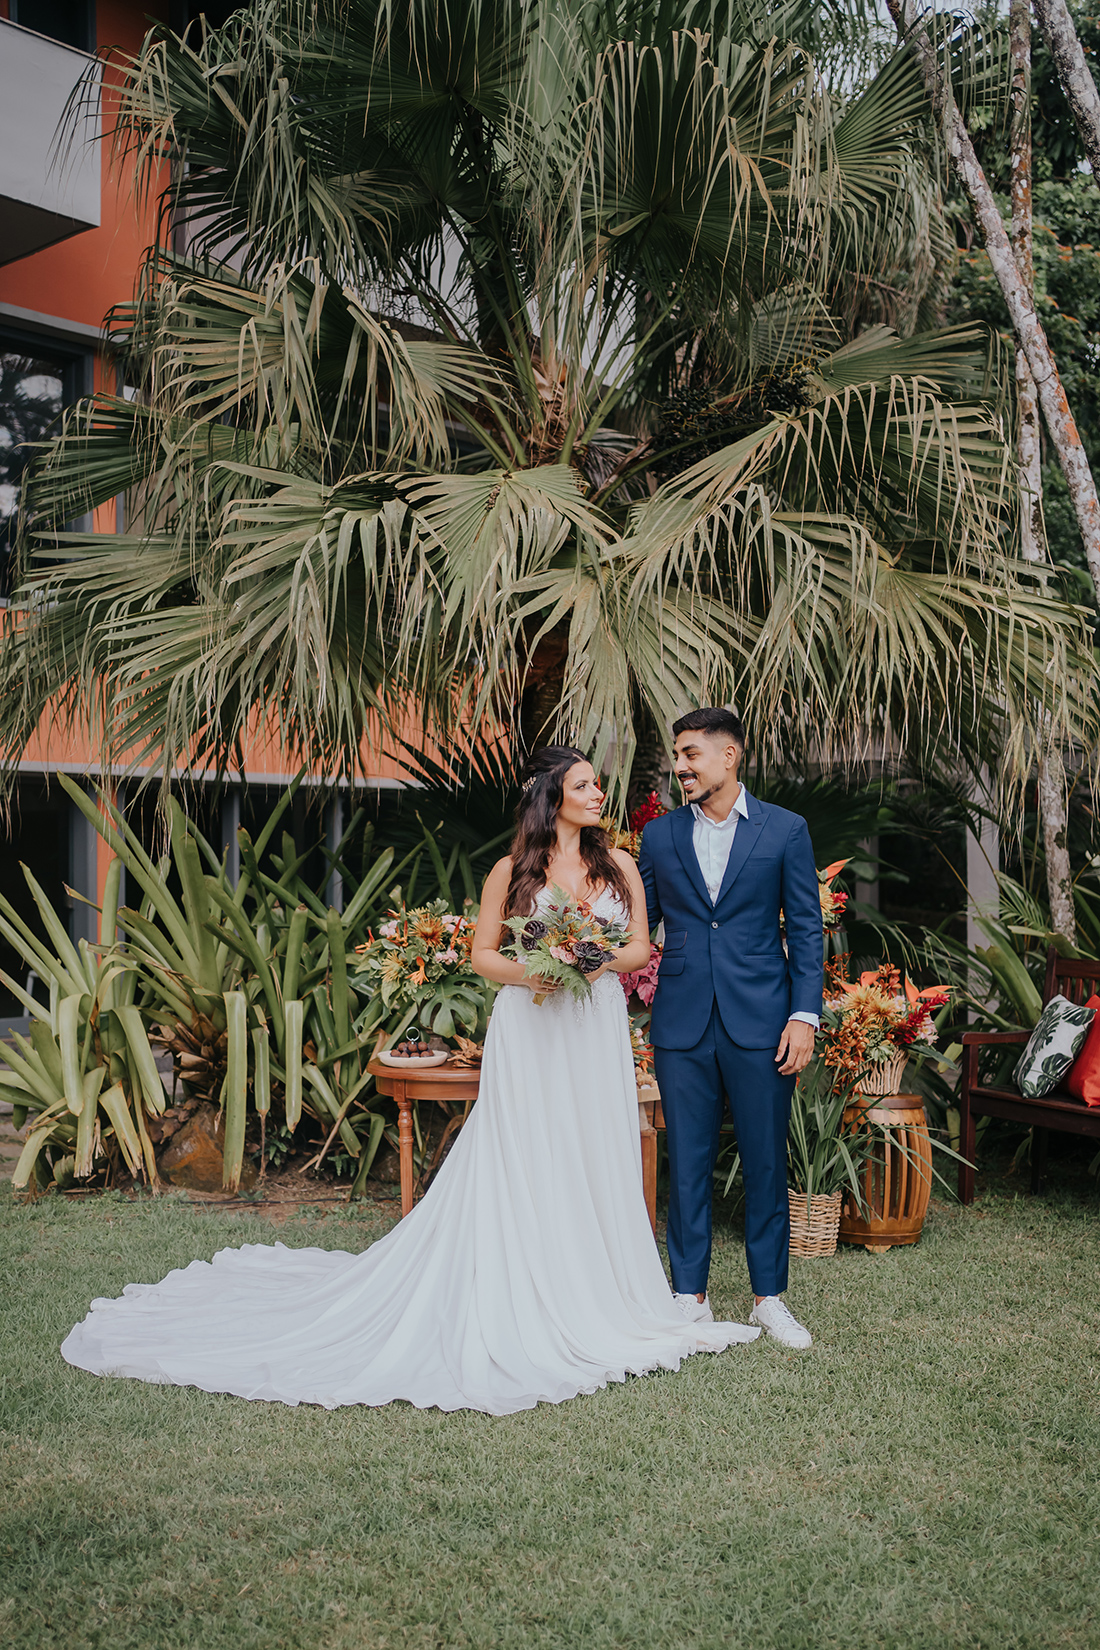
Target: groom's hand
795 1047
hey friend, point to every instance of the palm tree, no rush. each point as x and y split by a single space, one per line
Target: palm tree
529 361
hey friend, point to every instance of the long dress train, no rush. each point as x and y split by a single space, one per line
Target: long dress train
528 1273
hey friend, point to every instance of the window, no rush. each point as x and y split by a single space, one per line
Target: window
70 22
37 379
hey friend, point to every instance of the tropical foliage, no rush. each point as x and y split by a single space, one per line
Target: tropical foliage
246 984
526 363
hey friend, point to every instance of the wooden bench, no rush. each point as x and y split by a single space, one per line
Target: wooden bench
1076 980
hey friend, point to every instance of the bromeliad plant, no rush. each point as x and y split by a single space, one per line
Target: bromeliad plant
246 985
87 1074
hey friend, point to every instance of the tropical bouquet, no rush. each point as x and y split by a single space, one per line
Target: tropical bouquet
565 943
878 1020
419 963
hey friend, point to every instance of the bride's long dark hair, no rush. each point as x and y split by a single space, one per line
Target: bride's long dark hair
537 833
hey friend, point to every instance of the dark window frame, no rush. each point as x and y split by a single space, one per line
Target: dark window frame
85 21
77 380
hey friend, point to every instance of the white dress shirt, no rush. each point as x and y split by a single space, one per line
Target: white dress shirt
712 840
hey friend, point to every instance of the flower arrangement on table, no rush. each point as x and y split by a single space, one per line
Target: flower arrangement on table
875 1024
416 970
565 943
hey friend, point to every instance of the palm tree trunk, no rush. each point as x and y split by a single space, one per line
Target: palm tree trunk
1021 307
1052 773
1061 36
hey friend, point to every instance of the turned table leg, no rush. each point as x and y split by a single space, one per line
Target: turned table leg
649 1160
405 1147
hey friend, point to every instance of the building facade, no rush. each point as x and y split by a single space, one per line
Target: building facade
72 237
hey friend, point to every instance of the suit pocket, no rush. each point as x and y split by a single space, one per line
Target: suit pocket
671 965
675 942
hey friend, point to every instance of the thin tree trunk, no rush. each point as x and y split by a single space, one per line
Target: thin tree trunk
1032 533
1052 773
1061 36
1026 325
1054 813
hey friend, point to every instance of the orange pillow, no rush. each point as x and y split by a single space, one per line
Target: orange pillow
1082 1080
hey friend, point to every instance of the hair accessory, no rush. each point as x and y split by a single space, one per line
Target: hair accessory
527 783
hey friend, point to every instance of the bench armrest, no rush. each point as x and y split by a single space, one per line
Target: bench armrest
972 1039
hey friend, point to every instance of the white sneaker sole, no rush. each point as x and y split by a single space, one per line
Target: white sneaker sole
781 1340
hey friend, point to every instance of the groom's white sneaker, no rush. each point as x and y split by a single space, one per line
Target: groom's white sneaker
776 1319
695 1311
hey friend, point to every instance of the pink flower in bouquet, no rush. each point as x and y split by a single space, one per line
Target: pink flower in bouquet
562 954
644 980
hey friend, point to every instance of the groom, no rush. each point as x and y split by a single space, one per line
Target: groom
733 1016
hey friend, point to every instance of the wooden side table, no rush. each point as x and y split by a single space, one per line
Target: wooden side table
442 1084
449 1084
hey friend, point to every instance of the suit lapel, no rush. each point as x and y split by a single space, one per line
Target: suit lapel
745 838
683 825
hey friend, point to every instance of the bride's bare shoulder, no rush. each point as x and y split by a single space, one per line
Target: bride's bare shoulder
622 858
501 874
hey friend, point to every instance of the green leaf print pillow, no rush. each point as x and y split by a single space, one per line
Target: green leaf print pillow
1052 1047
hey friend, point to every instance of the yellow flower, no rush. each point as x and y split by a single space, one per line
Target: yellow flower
428 928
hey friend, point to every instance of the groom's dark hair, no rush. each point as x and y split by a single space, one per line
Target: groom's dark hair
711 720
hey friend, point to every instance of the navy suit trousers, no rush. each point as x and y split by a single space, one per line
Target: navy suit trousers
695 1084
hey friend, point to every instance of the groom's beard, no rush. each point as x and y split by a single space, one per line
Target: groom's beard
704 797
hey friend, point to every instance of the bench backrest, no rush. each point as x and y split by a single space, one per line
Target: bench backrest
1071 977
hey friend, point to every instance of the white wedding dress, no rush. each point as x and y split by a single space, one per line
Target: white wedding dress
527 1274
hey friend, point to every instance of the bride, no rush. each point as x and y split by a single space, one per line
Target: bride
528 1273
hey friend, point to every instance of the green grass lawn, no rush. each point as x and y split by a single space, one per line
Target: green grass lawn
926 1476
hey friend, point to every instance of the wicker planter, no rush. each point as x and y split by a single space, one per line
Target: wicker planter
885 1079
814 1223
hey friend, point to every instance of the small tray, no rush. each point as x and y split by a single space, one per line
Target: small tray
425 1061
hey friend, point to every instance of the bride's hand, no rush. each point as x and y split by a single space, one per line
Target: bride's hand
535 982
603 969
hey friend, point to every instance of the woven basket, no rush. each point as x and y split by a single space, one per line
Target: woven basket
885 1079
814 1223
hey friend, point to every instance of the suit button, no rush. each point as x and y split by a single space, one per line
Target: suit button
714 925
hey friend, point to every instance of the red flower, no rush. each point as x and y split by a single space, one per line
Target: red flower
651 808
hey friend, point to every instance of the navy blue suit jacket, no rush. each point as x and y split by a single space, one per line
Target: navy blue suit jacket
732 951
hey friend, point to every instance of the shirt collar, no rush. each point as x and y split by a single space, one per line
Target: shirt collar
739 807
